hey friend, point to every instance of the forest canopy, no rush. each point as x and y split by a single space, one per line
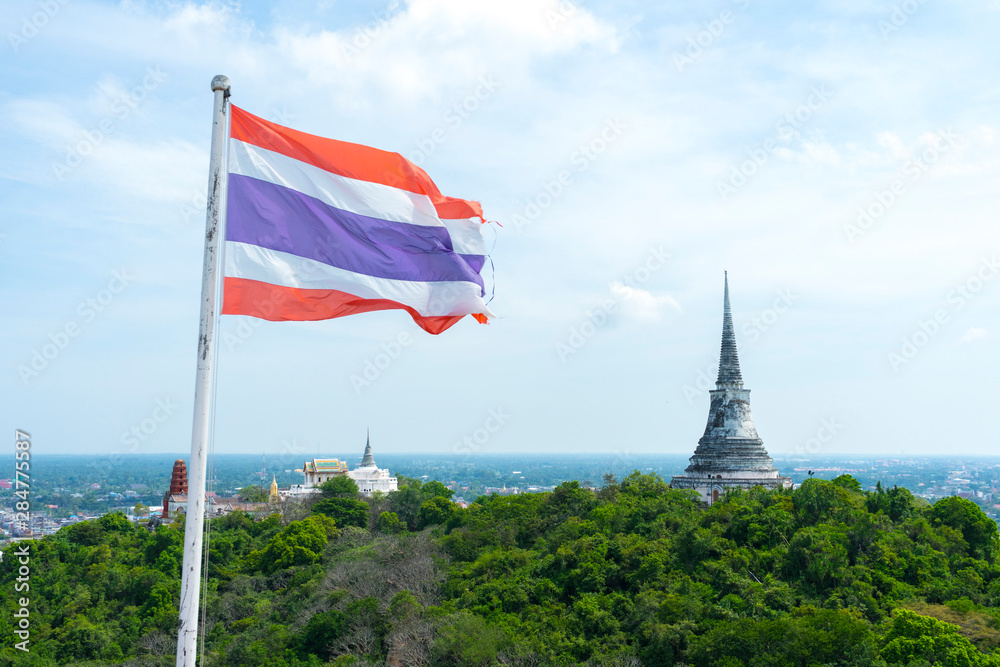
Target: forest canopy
632 573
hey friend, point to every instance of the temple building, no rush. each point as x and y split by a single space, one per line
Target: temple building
730 454
178 486
175 500
317 471
274 497
369 477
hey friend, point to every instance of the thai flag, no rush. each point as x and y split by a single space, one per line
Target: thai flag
318 228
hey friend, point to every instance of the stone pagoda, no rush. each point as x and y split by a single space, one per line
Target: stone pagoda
368 461
730 454
178 486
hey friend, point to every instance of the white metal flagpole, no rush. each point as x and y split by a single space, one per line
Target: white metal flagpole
187 635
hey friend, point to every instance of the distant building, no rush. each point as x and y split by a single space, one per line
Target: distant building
178 487
369 477
502 490
174 504
317 471
215 506
730 454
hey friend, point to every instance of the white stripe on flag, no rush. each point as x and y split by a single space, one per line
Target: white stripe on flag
467 236
244 260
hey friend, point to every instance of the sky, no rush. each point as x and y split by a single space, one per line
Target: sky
839 159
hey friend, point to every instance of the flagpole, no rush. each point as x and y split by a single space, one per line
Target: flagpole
187 634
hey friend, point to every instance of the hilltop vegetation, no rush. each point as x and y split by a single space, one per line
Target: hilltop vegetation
633 574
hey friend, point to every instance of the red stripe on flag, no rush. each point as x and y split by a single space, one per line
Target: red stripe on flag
349 160
281 304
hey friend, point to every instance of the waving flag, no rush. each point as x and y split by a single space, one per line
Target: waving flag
318 228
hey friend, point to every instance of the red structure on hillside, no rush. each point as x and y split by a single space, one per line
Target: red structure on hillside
178 485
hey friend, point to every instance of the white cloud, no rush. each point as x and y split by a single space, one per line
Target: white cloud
640 304
892 142
821 152
101 151
434 43
973 334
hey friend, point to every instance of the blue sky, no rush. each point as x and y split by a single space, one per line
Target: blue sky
838 158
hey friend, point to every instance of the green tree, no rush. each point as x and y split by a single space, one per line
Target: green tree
345 511
340 486
818 555
388 523
965 516
300 543
435 489
254 494
115 522
469 641
897 503
86 533
912 638
435 512
848 482
818 500
320 632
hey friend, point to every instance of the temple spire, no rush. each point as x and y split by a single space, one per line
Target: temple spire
729 362
730 455
368 460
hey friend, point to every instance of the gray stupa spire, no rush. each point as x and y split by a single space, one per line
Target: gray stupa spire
730 454
729 361
368 461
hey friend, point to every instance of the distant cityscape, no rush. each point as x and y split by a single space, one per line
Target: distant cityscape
70 489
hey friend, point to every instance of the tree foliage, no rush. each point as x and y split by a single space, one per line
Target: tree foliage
340 486
635 573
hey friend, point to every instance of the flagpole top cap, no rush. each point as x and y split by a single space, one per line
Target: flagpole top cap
220 82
